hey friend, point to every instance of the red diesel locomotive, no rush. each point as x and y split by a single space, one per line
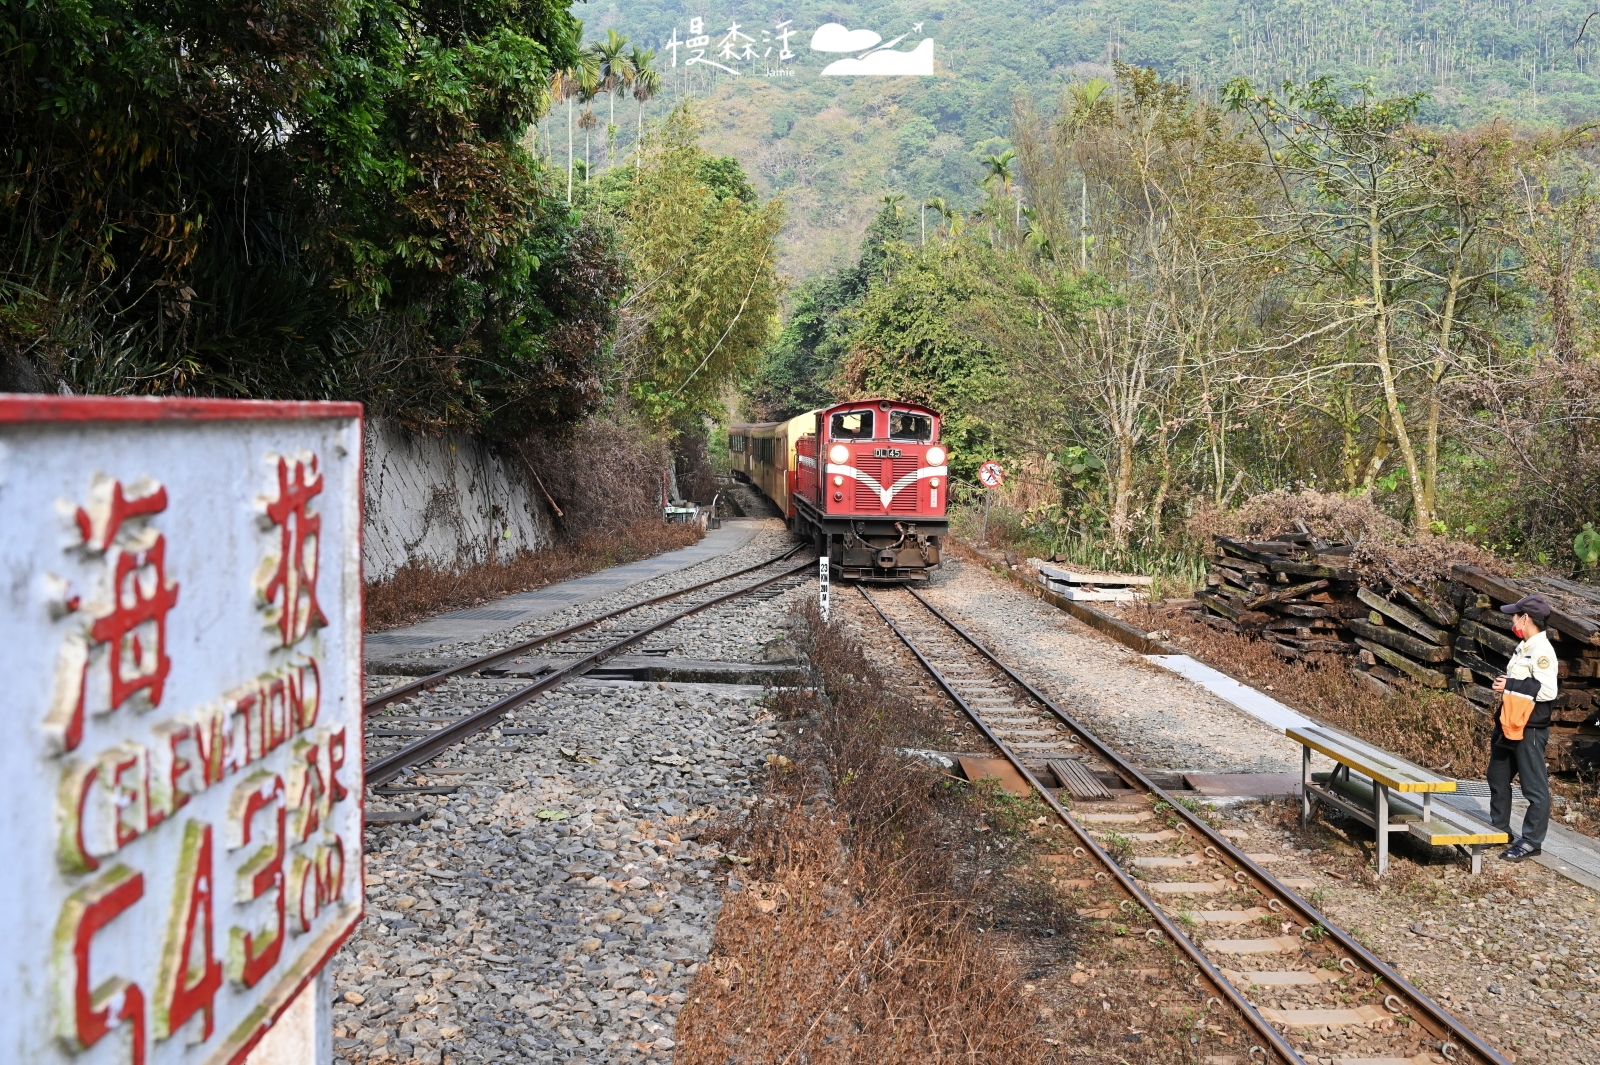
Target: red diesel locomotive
867 481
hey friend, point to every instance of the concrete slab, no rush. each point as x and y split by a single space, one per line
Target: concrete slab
1261 707
514 610
1572 854
1251 785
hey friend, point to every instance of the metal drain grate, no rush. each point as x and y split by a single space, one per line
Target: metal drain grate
1077 780
484 615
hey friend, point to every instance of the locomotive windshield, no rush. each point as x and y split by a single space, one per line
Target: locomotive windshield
909 427
851 425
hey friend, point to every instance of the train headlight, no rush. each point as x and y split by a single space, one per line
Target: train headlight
934 481
837 479
839 453
936 456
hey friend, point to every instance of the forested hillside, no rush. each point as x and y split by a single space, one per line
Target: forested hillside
833 146
1164 304
346 203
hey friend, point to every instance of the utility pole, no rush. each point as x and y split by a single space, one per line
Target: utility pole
924 223
1083 228
569 149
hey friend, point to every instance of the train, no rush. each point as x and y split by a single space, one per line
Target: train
866 482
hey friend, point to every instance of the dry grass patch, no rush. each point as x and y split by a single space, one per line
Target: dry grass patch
858 933
419 591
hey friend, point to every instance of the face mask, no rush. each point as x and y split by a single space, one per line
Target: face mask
1520 629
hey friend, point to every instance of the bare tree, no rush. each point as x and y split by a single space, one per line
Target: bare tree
1133 327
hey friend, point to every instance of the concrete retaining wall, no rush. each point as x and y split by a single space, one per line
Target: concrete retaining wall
449 501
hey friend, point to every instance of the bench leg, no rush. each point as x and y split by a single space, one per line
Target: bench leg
1382 794
1305 786
1477 858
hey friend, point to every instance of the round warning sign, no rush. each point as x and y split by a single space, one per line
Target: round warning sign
991 475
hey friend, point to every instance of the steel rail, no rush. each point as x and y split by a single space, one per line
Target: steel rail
1218 982
1440 1023
433 680
387 768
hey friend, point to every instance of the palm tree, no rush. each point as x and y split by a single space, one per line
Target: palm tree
564 85
942 209
1000 169
588 84
1092 104
646 83
893 200
614 74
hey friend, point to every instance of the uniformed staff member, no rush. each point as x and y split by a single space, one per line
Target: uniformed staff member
1522 728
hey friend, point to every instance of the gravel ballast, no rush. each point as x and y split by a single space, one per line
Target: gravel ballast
555 906
1157 720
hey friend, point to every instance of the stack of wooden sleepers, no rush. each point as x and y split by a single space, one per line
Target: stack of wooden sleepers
1301 593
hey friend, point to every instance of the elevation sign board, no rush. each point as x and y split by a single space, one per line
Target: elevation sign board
180 628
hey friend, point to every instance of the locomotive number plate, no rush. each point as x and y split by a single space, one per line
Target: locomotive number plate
885 452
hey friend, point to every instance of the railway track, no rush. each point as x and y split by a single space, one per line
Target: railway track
477 694
1253 938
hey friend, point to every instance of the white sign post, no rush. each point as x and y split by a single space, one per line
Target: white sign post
181 633
991 476
822 585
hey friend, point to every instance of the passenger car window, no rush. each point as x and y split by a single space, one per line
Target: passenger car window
851 425
914 428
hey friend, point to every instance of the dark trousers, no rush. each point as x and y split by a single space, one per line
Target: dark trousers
1520 758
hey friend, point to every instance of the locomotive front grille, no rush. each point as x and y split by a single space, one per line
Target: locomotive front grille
867 500
905 501
887 472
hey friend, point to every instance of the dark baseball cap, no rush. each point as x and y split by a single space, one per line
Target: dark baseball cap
1536 607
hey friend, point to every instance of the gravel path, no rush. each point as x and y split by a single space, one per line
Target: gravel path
1158 720
554 907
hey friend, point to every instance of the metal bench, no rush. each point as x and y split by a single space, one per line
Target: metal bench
1369 800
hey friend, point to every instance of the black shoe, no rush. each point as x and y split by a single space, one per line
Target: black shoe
1520 850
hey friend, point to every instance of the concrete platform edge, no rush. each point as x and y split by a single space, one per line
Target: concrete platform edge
453 627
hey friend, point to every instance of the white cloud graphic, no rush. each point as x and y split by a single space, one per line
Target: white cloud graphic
885 63
832 37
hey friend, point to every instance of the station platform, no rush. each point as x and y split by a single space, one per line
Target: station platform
522 607
1572 854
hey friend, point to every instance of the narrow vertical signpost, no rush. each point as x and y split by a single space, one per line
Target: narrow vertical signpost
822 585
991 476
182 766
